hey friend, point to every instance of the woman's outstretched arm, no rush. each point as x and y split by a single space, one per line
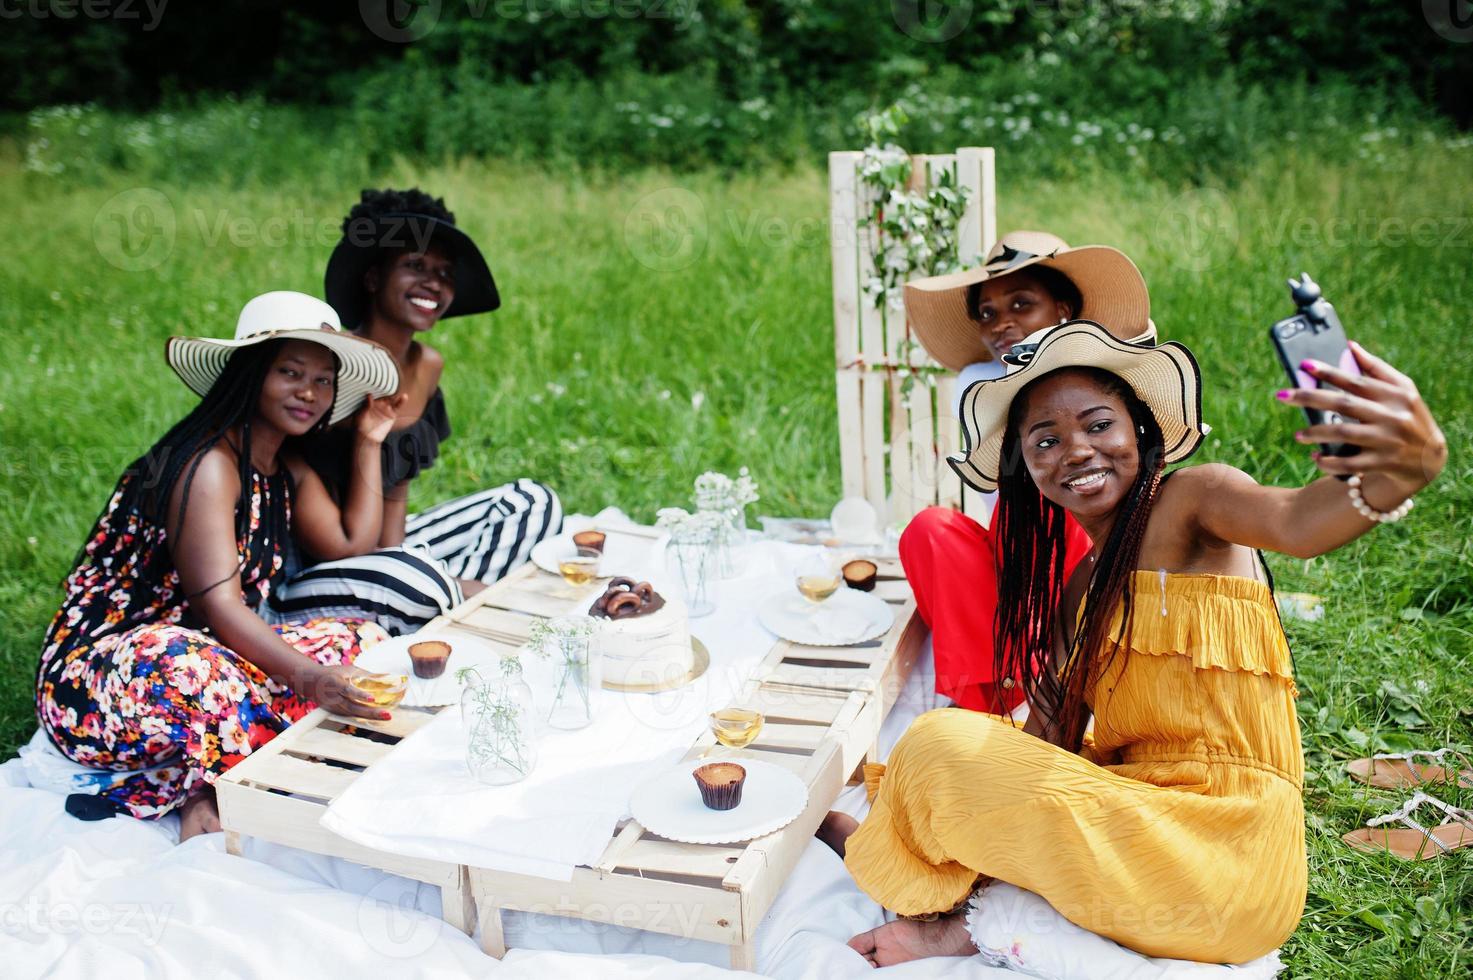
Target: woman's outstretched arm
1402 450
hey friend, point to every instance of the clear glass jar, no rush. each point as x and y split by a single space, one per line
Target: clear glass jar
690 555
500 724
576 678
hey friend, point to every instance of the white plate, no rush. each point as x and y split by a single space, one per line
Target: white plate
392 657
797 620
623 553
670 804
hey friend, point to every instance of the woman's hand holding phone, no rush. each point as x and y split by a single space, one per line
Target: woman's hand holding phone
1399 439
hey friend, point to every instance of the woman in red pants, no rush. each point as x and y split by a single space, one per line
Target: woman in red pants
967 321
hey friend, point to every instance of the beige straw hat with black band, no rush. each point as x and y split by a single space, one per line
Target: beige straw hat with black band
364 368
1113 291
1164 376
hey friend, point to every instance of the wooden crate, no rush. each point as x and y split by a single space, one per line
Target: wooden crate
893 444
280 791
823 707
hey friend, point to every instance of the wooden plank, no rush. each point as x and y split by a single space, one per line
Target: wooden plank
896 670
499 621
872 347
977 231
655 855
901 459
829 678
532 603
844 255
294 822
780 704
340 747
851 431
671 907
777 735
402 721
852 656
891 591
948 434
293 775
872 425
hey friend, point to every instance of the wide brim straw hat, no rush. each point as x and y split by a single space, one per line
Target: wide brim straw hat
364 368
1112 289
364 241
1164 376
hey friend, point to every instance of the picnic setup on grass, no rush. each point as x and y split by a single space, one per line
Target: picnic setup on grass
624 756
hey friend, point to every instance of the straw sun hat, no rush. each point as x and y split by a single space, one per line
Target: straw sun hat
1109 283
1164 376
364 368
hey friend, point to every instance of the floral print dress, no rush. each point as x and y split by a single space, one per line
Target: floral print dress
132 684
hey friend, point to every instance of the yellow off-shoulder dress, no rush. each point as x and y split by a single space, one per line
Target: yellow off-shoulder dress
1181 834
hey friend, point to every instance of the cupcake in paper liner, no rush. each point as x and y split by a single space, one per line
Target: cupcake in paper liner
721 784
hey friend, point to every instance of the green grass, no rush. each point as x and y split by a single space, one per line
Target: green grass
586 378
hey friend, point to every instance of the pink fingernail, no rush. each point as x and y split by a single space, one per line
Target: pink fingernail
1307 365
1284 395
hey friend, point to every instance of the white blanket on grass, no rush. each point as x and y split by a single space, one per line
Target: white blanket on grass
119 896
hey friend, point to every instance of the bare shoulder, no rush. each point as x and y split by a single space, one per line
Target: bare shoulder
1190 483
217 474
427 365
215 485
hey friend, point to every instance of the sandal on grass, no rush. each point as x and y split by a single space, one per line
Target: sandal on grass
1416 843
1401 770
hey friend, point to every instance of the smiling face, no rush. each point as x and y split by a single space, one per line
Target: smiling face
1013 306
298 388
413 288
1078 442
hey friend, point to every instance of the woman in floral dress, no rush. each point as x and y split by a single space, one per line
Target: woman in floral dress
164 666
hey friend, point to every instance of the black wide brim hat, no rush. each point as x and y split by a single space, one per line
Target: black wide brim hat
366 239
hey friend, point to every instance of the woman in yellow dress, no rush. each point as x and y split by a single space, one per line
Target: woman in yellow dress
1179 831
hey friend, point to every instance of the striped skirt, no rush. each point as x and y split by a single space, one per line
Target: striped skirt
482 536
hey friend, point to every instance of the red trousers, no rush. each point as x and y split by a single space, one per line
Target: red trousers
950 563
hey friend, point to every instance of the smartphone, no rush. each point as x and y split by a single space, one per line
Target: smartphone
1314 333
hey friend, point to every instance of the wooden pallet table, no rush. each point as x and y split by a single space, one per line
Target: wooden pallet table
823 707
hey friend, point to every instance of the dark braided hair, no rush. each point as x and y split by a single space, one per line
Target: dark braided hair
1029 530
148 483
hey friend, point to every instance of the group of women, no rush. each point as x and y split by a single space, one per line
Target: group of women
243 562
1153 794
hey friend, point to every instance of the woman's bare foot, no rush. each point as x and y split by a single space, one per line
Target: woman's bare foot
199 815
835 830
907 939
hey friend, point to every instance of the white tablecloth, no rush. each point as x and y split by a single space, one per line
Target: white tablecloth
421 801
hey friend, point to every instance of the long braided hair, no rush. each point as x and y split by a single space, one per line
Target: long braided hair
1030 536
147 485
